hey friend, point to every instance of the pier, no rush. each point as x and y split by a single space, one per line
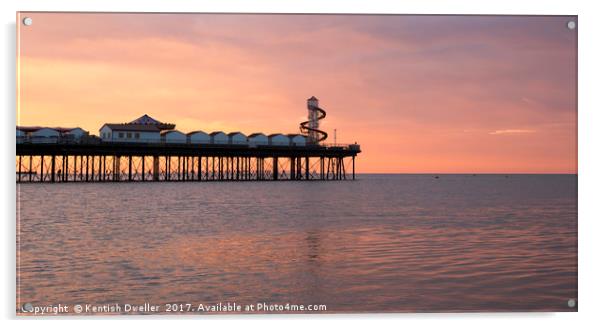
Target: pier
146 149
97 161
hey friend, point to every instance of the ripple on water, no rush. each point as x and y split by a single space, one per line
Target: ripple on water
382 243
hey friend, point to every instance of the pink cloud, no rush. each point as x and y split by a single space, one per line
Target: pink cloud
412 84
512 132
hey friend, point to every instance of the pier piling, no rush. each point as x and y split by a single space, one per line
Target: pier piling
89 163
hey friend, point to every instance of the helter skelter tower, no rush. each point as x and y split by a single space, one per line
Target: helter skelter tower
311 127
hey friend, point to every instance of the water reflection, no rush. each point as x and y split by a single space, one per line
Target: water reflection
392 244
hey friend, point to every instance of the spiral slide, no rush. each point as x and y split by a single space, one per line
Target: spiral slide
304 126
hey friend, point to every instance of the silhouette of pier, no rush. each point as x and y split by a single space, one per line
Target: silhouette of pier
128 162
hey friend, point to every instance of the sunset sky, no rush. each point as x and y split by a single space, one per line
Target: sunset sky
436 94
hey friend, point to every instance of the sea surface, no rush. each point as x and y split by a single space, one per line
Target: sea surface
382 243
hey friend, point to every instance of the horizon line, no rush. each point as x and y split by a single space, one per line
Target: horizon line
471 173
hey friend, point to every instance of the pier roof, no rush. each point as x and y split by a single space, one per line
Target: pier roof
29 128
145 119
170 132
197 131
36 128
132 127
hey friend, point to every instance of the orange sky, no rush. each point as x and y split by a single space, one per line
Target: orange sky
437 94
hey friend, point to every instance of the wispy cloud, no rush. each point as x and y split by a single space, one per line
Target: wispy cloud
512 131
528 101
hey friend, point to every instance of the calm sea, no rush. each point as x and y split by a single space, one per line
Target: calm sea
382 243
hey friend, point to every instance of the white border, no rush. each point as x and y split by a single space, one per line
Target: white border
590 190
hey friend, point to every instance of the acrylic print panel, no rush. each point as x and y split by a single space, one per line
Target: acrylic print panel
238 163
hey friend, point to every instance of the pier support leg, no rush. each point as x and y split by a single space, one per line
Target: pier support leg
178 168
30 168
275 168
19 170
306 168
335 163
155 168
63 169
185 169
130 168
52 168
60 175
258 168
237 168
168 168
353 167
92 167
75 168
143 169
321 168
247 168
199 167
116 168
219 168
42 168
